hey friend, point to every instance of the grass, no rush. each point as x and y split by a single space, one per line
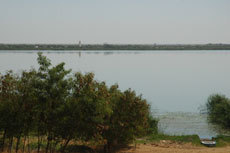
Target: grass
194 139
222 141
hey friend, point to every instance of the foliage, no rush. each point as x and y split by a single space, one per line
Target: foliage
129 118
57 107
162 138
222 140
218 108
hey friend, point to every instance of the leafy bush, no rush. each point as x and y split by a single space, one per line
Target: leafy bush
218 108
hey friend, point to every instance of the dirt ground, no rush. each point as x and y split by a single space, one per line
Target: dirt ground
169 147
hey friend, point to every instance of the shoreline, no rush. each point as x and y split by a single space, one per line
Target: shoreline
112 47
177 144
173 148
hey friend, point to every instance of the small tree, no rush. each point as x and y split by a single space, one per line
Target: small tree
218 108
130 117
93 105
28 100
11 115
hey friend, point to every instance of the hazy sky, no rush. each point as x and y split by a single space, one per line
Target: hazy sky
115 21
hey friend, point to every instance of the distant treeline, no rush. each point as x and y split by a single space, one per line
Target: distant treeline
114 47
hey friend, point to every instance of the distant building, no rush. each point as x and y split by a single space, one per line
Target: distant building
79 43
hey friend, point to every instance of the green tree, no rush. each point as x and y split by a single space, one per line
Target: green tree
28 100
130 117
53 89
11 115
53 105
218 108
92 100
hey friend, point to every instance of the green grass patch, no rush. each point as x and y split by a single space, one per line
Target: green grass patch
194 139
222 141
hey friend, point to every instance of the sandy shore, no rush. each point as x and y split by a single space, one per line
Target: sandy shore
168 147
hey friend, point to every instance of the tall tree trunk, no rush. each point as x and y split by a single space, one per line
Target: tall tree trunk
65 145
54 146
17 144
50 146
39 143
107 147
28 143
24 144
48 143
3 140
11 144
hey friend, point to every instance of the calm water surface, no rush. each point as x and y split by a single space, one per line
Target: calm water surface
175 83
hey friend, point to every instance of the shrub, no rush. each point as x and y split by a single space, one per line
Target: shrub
218 109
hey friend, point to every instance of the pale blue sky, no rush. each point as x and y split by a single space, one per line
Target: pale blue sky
115 21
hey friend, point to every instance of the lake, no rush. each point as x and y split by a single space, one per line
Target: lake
175 83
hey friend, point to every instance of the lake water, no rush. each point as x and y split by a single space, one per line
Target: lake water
175 83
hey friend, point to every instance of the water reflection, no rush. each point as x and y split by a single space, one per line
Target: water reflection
180 123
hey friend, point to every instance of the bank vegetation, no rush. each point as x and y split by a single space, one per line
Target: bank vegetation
51 109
